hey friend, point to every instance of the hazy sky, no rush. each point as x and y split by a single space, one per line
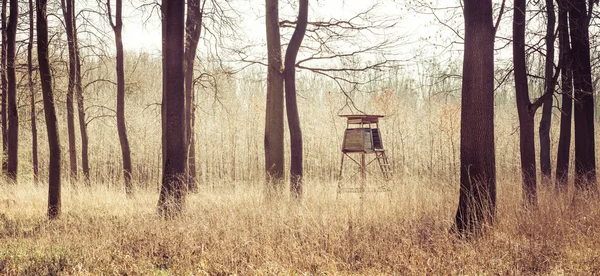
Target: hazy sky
142 34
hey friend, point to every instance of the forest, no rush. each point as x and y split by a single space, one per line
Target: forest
242 137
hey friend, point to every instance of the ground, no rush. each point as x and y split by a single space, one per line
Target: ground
234 231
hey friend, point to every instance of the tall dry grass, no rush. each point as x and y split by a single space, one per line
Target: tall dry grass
228 228
234 231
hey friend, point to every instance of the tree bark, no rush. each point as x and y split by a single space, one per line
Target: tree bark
585 157
34 146
526 125
13 113
273 140
68 14
4 93
54 206
173 189
85 167
117 27
477 201
193 25
546 120
564 141
290 100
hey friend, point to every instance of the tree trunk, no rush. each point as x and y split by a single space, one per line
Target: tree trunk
564 141
121 127
477 201
585 157
274 157
291 103
545 122
34 149
526 126
13 113
4 93
173 189
49 112
68 14
193 25
85 167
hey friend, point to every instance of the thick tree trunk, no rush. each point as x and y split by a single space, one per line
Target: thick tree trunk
526 126
13 113
121 127
193 25
564 141
585 157
49 112
68 14
163 113
34 146
273 141
291 103
545 122
477 201
173 189
4 93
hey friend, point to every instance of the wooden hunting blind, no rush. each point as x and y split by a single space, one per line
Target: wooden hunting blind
362 137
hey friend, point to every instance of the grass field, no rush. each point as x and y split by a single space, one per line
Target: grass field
228 227
234 231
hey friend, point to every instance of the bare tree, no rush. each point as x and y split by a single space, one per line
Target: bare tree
85 167
527 109
585 154
193 26
173 189
526 137
564 142
549 85
13 113
69 14
54 204
274 154
477 201
117 27
75 92
291 53
4 93
34 143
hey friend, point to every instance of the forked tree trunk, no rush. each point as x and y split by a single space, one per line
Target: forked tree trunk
4 93
49 112
545 122
526 126
564 141
68 14
585 157
34 146
273 140
193 25
13 113
76 90
477 201
173 189
296 173
121 127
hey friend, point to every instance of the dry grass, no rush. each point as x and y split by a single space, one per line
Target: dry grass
233 231
228 228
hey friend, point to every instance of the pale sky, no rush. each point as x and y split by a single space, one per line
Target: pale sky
416 27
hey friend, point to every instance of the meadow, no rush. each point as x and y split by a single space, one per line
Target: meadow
229 228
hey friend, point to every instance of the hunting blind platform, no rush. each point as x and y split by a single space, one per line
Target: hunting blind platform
362 137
